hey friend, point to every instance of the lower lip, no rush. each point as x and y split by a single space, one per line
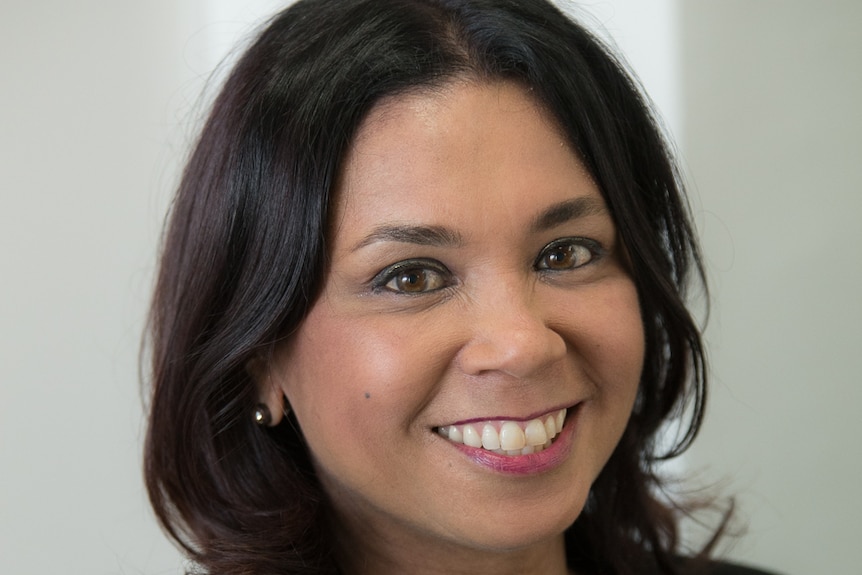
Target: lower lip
533 463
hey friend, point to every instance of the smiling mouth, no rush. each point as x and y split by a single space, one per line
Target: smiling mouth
507 437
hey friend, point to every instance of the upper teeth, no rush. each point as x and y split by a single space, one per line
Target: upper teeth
508 437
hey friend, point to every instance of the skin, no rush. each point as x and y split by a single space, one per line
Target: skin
490 319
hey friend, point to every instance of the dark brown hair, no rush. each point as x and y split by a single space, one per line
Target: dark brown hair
244 258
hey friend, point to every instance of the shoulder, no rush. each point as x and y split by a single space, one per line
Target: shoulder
699 566
724 568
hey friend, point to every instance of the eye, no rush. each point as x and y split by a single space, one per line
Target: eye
567 254
413 277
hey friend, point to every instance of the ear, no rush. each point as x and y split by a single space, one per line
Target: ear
269 391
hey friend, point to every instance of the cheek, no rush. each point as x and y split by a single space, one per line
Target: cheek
350 379
624 353
613 342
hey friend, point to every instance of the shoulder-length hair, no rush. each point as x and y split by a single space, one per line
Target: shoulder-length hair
244 257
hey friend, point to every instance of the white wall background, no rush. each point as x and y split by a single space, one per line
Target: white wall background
773 141
97 104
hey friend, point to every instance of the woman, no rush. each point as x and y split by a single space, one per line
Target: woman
421 303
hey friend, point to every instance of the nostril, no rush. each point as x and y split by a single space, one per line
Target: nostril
517 352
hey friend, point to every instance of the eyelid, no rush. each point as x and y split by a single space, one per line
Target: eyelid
597 251
379 282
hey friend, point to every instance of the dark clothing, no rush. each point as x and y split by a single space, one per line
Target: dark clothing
731 569
688 567
717 568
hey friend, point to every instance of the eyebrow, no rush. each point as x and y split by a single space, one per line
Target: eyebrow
567 211
441 236
437 236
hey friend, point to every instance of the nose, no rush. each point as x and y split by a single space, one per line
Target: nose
510 333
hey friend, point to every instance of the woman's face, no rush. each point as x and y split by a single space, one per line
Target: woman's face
477 288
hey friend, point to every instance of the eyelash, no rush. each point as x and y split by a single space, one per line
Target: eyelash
401 270
594 251
424 270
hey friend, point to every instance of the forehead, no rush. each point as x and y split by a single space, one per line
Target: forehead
461 154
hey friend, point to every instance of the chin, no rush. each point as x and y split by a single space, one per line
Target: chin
510 530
